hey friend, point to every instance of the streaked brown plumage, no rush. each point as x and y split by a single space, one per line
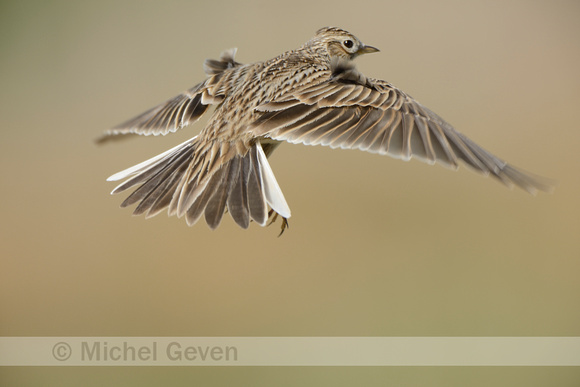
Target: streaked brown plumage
312 95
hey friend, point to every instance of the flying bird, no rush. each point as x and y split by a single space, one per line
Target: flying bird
312 95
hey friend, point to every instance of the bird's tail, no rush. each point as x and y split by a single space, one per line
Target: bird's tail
196 178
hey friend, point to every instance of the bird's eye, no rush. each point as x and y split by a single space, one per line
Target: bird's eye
348 43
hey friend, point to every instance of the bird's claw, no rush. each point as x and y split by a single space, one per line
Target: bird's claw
273 215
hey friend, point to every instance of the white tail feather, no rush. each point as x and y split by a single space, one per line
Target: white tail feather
145 164
274 195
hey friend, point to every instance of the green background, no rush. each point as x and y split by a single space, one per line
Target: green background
376 246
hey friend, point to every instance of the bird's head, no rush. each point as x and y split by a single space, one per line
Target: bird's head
340 43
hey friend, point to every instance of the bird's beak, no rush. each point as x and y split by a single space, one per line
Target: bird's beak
367 50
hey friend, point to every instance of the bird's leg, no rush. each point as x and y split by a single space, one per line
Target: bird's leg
273 215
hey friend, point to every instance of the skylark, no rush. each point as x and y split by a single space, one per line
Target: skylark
312 95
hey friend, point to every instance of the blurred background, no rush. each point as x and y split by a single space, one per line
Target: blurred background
376 246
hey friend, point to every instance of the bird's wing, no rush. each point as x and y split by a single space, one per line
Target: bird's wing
351 111
182 110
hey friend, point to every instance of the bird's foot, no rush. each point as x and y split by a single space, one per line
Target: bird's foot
273 215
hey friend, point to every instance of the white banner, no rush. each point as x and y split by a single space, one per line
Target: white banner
289 351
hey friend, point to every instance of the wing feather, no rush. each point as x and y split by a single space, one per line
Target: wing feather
364 123
165 118
323 128
352 112
180 111
393 140
300 130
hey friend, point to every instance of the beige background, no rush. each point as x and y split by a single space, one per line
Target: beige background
377 247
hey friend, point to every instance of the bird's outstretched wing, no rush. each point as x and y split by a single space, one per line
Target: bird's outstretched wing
182 110
351 111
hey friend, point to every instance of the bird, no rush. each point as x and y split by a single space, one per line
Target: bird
312 95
